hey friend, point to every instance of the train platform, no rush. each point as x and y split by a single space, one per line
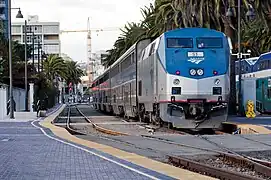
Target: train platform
259 124
36 149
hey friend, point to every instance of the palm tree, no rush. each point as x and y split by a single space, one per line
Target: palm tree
54 66
72 73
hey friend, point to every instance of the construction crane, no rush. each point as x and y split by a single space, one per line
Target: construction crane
90 61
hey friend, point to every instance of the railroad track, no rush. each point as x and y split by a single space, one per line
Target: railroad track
261 168
69 127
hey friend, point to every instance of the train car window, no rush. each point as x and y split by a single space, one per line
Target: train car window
142 55
257 84
242 69
133 58
140 88
261 66
126 63
114 99
180 43
106 77
203 43
237 69
114 71
152 49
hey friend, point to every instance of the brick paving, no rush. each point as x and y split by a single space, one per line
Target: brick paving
26 153
35 156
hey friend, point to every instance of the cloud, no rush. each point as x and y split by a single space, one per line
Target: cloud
73 15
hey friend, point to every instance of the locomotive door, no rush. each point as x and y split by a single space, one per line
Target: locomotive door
263 97
130 94
268 96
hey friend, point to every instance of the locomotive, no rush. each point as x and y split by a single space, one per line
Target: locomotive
180 78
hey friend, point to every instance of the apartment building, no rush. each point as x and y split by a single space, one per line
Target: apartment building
44 35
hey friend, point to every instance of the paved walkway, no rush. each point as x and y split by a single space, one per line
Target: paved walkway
264 121
28 151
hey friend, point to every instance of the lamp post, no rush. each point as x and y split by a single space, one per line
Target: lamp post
19 15
250 14
25 65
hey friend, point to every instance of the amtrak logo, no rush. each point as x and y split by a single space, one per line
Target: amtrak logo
195 60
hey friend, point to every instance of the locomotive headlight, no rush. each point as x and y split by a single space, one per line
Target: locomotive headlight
200 72
217 82
192 72
176 81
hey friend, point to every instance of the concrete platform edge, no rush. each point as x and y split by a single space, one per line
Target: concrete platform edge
147 166
250 128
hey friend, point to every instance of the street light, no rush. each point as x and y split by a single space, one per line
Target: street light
19 15
250 14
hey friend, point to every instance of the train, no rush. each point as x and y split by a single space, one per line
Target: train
180 79
259 68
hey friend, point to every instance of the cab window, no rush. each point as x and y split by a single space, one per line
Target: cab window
203 43
180 43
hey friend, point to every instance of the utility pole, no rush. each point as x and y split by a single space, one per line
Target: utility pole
25 66
33 46
38 56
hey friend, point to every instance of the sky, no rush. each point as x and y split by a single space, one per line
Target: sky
73 15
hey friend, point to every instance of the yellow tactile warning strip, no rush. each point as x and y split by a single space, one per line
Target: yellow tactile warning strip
251 128
166 169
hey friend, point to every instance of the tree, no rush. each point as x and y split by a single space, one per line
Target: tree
72 73
18 60
54 66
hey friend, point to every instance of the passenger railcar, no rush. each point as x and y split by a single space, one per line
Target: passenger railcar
259 68
181 78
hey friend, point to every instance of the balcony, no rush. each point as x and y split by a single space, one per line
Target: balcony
51 41
2 4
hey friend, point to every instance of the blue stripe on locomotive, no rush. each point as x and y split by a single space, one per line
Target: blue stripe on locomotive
177 58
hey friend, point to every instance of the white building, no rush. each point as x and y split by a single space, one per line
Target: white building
66 57
98 67
46 34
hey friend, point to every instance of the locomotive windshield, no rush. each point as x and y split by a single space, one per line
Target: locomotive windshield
180 43
203 43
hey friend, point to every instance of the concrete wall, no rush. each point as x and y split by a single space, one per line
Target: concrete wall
3 100
18 96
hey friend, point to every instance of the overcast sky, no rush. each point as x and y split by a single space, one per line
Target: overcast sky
73 15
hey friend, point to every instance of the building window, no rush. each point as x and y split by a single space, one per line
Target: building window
51 48
16 29
51 29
